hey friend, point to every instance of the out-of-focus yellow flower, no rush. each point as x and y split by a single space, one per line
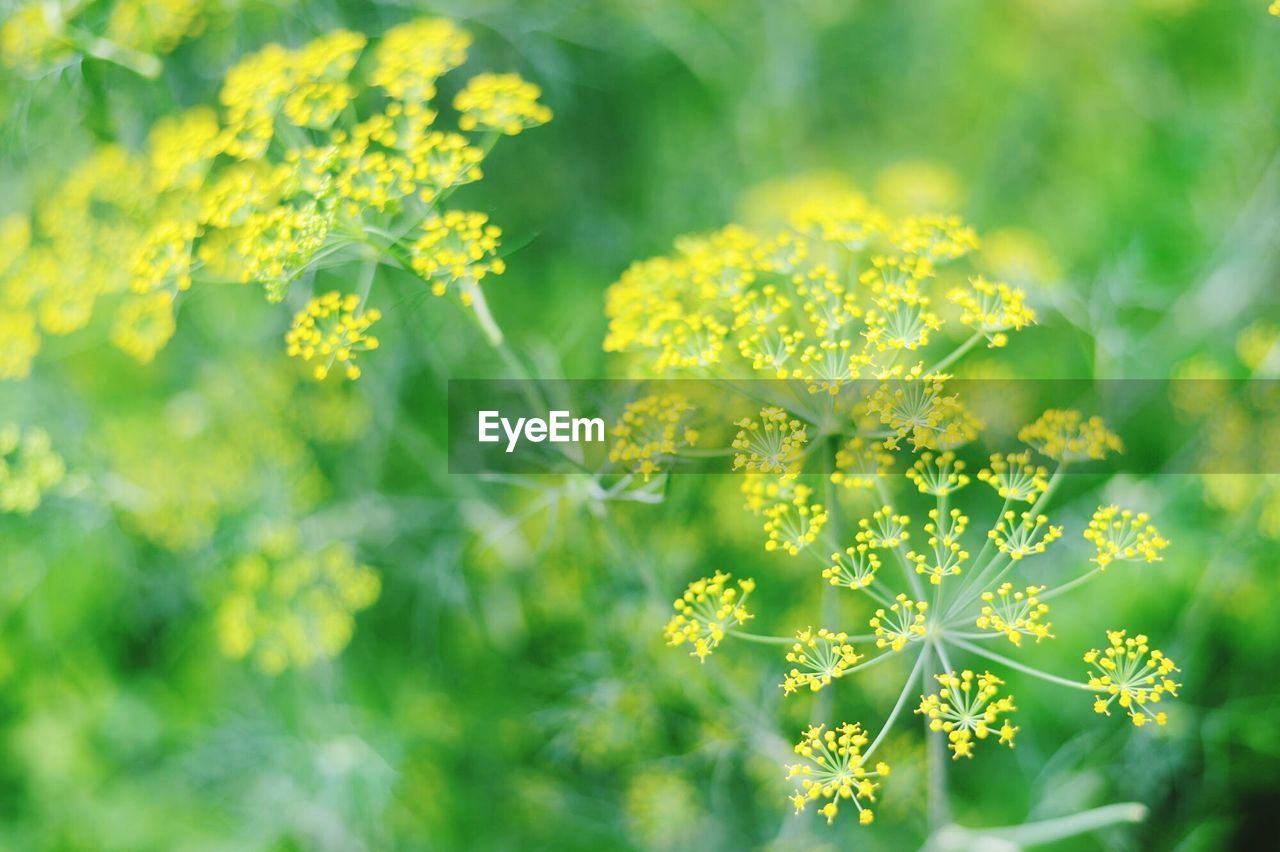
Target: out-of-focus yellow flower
143 325
504 103
915 187
411 57
291 607
29 468
331 330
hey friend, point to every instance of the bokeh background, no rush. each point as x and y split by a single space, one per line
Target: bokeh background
509 688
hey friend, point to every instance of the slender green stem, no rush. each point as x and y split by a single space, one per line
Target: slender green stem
897 707
912 580
1066 587
956 354
1013 664
762 640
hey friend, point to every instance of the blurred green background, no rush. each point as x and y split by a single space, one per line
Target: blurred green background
510 687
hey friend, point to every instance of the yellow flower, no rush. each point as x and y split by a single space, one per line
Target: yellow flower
34 38
651 432
1121 534
457 249
290 607
331 330
1015 478
904 621
832 767
1015 614
1132 674
794 524
181 149
1066 435
855 568
773 444
29 468
945 532
938 475
412 56
19 343
819 658
1023 535
501 102
163 259
143 325
967 709
993 309
708 608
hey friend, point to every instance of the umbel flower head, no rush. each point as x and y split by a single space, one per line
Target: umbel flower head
1130 673
1068 436
832 769
330 330
968 708
904 621
29 468
651 433
1124 535
290 606
1015 478
705 612
772 444
818 658
1015 613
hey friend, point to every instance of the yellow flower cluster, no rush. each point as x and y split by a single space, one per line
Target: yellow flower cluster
708 608
992 309
1067 436
945 532
967 708
832 768
503 103
818 659
904 621
1121 534
841 292
1019 536
855 568
330 330
938 475
1015 613
651 433
457 249
792 525
289 607
1015 478
773 444
1132 674
294 170
29 468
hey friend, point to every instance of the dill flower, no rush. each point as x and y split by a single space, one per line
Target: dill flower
904 621
34 37
993 309
967 708
143 325
915 406
773 444
819 658
504 103
651 432
884 529
708 608
181 149
792 525
163 259
945 532
859 462
1015 478
29 468
1121 534
332 329
412 56
19 343
1066 435
457 248
290 607
855 568
1019 536
832 768
1015 613
938 474
1134 675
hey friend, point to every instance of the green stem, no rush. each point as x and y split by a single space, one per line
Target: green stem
1013 664
1066 587
897 708
956 353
